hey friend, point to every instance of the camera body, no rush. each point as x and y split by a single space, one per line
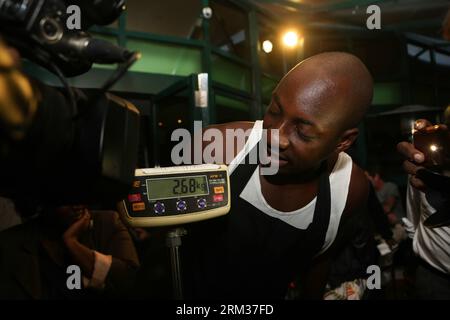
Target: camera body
434 143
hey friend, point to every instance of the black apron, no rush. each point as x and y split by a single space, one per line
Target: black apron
248 254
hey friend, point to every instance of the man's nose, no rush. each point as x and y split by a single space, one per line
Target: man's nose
280 135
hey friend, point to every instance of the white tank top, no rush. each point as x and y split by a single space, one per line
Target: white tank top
300 218
431 244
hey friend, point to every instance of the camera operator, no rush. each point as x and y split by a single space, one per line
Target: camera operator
431 245
59 148
34 256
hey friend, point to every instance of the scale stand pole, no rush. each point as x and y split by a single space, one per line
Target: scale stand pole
173 241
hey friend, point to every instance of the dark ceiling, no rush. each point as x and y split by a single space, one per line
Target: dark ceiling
420 16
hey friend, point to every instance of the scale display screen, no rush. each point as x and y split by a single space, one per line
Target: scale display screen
176 187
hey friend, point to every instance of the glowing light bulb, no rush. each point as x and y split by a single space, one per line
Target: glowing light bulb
290 39
267 46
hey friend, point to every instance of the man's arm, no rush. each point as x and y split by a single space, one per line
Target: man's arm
316 277
356 209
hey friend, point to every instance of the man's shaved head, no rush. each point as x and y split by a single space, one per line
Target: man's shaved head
316 108
337 83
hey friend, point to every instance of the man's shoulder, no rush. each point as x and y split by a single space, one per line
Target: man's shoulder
358 191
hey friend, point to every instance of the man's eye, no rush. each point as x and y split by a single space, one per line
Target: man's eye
303 136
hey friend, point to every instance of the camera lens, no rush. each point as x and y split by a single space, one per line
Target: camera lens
51 29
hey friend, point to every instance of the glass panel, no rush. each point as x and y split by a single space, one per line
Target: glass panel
267 87
229 29
230 73
180 18
228 110
387 93
423 94
171 113
165 59
382 64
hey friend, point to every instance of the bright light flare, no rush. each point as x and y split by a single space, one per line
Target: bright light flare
290 39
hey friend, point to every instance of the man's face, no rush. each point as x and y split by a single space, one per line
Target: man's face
301 109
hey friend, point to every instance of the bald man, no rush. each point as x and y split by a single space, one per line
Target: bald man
289 225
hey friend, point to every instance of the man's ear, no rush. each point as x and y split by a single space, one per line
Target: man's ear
347 138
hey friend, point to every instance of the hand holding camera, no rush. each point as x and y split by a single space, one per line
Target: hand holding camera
430 150
434 142
428 163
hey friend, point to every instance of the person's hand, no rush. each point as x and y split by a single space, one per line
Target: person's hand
414 158
81 254
80 225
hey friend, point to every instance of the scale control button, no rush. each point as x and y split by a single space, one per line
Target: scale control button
138 206
159 208
134 197
181 205
218 198
219 190
201 203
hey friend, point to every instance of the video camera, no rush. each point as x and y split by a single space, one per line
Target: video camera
81 146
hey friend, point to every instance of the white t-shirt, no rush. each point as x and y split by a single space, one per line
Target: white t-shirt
430 244
300 218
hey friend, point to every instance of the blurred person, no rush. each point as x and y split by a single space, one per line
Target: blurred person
18 99
391 201
34 256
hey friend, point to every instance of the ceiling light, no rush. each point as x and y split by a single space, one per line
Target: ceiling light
267 46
